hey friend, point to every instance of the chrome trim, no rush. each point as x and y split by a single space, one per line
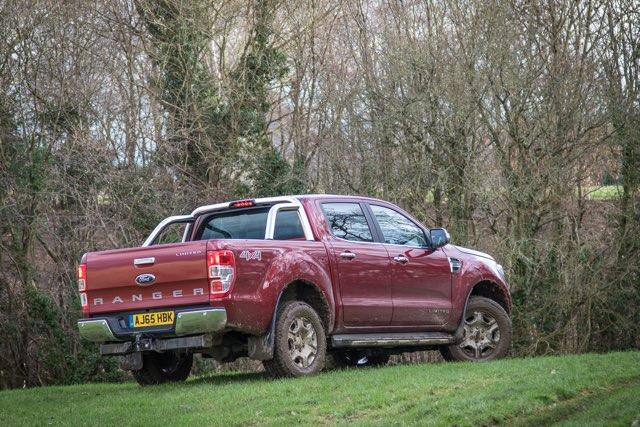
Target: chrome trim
291 202
401 259
144 261
391 339
164 223
454 269
96 330
348 255
273 212
197 321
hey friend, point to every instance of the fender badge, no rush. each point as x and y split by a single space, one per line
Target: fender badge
145 279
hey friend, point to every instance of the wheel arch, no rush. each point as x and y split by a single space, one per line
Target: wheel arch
493 291
261 347
488 289
310 293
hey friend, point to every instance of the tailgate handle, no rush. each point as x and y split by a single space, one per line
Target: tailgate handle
144 261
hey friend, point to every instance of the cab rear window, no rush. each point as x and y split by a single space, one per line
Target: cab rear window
241 224
250 224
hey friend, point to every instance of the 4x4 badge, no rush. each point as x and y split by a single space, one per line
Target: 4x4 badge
249 255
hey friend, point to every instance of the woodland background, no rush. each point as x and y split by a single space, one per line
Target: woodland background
500 120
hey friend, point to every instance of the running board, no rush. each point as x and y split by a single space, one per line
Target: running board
391 339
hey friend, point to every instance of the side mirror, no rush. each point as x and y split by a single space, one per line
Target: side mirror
439 237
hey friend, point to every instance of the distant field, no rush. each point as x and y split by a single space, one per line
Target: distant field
570 390
606 192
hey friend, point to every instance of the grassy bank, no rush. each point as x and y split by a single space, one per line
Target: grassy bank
591 389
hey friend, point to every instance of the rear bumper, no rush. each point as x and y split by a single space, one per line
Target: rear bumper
188 322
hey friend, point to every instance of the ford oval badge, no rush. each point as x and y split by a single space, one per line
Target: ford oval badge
145 279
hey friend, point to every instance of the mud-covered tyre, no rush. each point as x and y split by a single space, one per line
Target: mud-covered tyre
164 367
348 358
487 333
300 343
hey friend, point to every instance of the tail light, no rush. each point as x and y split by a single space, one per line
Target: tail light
221 268
82 287
82 277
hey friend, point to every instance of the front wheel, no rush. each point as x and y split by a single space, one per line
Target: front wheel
164 367
300 342
487 333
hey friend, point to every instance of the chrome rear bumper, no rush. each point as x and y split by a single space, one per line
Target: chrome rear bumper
188 322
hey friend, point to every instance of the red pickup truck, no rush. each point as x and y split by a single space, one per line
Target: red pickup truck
292 281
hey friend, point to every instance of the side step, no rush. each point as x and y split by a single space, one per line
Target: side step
391 339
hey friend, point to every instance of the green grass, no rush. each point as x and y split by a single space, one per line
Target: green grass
605 192
577 390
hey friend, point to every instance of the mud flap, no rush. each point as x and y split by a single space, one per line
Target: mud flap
260 347
131 361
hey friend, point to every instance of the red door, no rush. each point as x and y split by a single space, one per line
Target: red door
421 286
421 276
363 267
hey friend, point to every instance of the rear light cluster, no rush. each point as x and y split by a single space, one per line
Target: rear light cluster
82 287
221 269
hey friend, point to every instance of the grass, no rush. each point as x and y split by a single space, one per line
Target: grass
573 390
605 192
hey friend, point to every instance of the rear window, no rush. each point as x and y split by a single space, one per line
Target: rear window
251 224
244 224
347 221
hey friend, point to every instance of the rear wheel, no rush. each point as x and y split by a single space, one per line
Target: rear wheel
300 342
487 333
158 368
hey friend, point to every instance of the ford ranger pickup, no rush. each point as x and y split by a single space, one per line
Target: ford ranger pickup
294 282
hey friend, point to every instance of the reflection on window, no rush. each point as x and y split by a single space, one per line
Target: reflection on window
242 224
347 221
398 229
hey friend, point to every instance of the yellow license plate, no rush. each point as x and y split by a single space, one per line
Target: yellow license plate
143 320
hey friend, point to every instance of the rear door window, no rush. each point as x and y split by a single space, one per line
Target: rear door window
347 221
288 226
243 224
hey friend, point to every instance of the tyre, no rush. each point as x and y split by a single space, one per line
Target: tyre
487 333
344 359
164 367
300 344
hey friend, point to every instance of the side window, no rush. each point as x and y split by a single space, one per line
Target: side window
172 233
288 226
398 229
347 221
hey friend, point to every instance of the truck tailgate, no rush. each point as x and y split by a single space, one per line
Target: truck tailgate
147 277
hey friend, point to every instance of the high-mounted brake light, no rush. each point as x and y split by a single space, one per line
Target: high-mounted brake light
242 203
221 269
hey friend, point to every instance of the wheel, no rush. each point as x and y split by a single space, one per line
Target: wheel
343 359
300 342
163 367
487 333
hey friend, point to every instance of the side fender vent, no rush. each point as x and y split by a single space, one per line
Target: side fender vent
455 264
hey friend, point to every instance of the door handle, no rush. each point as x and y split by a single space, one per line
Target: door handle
401 259
347 255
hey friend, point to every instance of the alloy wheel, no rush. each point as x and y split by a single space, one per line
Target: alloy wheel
481 335
303 342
